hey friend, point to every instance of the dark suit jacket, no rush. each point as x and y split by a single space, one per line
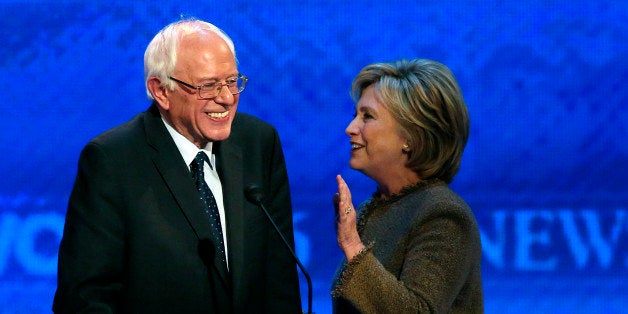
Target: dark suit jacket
136 239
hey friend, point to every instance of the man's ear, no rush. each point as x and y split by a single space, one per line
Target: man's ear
159 92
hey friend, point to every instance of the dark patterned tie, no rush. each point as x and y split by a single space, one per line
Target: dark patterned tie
211 208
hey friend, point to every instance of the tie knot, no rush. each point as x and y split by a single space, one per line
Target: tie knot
200 158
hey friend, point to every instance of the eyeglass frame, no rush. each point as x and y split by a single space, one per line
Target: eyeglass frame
217 85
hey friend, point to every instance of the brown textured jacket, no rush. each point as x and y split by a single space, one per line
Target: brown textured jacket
423 257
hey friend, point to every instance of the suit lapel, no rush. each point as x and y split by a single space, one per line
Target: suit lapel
176 176
229 166
175 173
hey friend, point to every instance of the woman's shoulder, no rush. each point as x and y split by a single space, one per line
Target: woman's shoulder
437 200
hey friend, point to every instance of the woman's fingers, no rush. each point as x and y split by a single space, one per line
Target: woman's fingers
345 212
346 228
345 205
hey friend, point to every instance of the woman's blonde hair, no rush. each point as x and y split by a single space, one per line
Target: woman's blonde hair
425 99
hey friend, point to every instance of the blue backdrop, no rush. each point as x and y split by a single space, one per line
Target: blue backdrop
544 171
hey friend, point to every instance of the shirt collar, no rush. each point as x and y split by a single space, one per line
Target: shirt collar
187 149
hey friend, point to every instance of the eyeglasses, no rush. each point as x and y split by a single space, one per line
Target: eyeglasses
210 90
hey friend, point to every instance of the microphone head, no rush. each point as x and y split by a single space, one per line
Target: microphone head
254 193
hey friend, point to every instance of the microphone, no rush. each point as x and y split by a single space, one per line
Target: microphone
255 195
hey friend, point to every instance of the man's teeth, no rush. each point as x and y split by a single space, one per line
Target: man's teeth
355 146
218 115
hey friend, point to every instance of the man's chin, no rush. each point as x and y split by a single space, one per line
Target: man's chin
215 136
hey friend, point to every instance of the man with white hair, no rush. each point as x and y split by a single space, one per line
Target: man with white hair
158 221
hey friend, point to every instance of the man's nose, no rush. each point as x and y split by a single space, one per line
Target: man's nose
224 95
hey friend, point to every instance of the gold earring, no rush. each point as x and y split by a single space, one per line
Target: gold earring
405 148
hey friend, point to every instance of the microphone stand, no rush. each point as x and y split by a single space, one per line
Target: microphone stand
254 193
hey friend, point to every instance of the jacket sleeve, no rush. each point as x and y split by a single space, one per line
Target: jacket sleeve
90 253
